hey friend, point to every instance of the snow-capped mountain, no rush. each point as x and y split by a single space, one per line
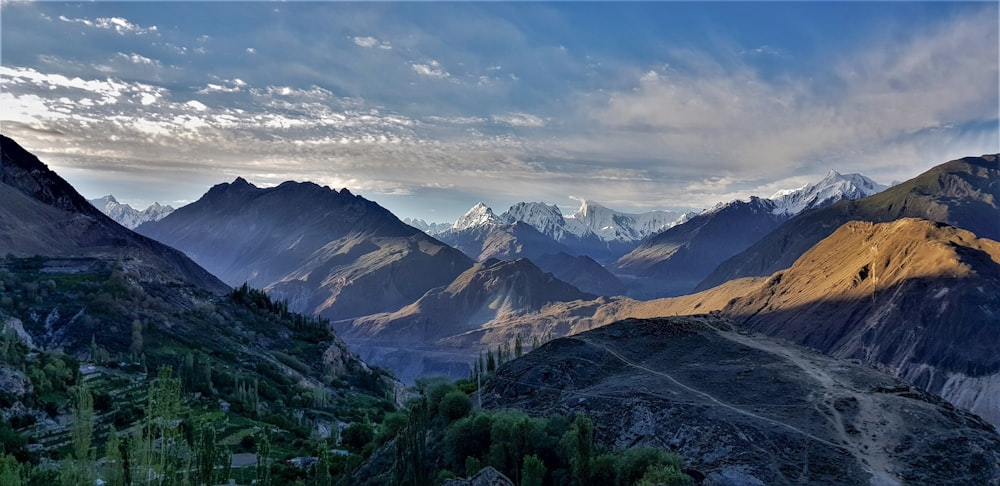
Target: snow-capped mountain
547 219
479 215
429 228
834 187
610 225
128 216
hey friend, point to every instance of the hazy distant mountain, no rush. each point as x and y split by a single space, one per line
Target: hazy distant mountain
495 289
492 239
675 260
128 216
41 214
327 252
611 225
963 193
747 410
429 228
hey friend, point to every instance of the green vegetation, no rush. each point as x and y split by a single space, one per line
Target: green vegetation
150 383
443 437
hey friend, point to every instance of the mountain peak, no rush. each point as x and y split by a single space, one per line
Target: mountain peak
832 188
479 215
241 182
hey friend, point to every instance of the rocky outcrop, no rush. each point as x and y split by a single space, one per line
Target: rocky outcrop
746 409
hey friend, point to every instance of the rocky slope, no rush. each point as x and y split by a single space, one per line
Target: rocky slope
128 216
406 340
41 214
963 193
327 252
745 409
914 298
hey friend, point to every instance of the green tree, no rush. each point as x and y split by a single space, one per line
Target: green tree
12 473
454 405
518 351
633 463
533 471
664 475
580 443
113 459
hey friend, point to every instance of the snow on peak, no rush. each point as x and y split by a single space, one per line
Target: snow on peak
610 225
545 218
832 188
479 215
128 216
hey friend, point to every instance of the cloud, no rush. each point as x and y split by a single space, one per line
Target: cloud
118 24
371 42
137 59
729 115
251 50
519 120
431 69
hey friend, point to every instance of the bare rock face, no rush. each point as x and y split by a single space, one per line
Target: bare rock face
487 476
746 409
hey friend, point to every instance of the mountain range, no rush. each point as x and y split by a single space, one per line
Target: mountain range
963 192
328 253
676 260
898 289
128 216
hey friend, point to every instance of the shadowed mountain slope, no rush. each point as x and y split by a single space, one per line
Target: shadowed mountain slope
746 409
963 193
505 241
680 257
489 291
328 252
42 214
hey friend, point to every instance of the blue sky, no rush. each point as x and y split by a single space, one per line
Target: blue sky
428 108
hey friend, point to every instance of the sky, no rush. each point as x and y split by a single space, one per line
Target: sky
429 108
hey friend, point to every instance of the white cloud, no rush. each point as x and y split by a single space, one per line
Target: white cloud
118 24
251 50
137 59
519 120
431 69
371 42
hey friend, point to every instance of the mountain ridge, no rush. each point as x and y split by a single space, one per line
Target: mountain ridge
963 192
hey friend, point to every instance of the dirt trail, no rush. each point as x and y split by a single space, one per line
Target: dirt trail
707 395
866 449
